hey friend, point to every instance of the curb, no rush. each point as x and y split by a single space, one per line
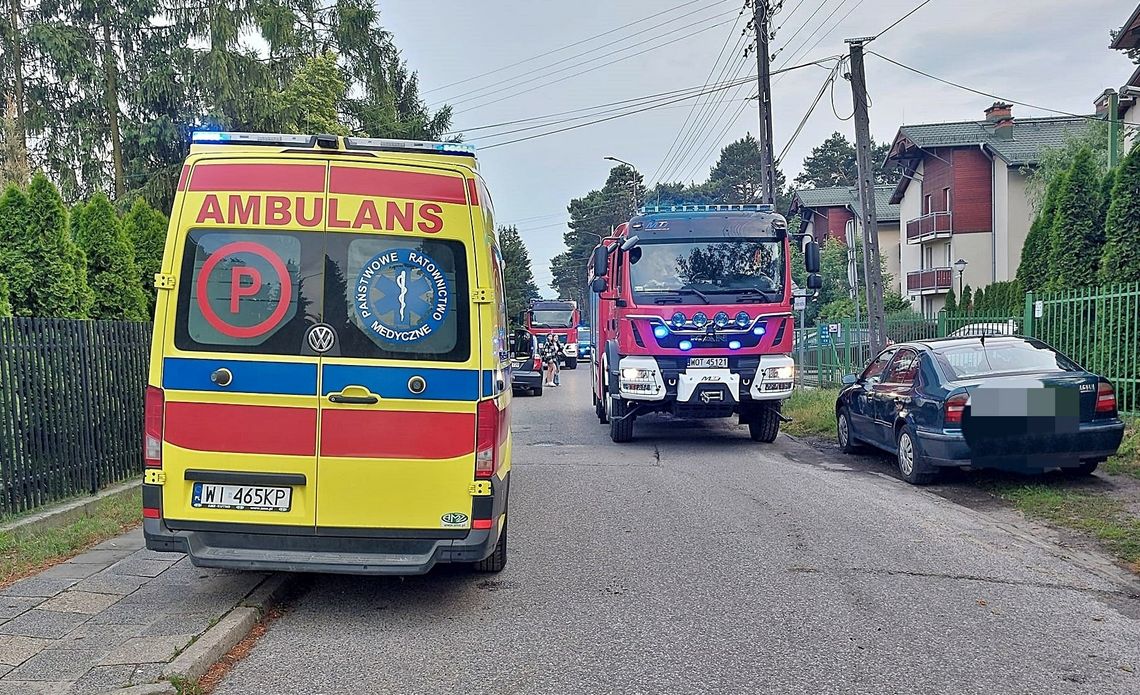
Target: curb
68 512
219 639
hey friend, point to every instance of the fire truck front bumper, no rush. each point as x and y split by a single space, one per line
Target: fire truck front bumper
755 378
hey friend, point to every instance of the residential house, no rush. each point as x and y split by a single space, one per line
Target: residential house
834 212
963 196
1127 39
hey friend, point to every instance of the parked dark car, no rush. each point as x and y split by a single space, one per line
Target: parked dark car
987 402
526 366
584 340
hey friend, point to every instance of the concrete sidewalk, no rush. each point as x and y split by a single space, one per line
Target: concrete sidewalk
109 618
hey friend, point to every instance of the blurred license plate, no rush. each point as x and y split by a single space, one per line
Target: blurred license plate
708 363
259 497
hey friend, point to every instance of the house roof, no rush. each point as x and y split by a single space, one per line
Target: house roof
1129 36
1031 136
843 196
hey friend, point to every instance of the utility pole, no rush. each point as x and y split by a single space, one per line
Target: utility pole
1113 128
760 12
872 270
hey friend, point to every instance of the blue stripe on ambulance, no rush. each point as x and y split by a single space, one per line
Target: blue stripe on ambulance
249 376
392 382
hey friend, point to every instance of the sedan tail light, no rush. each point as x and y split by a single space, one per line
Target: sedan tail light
1105 398
954 408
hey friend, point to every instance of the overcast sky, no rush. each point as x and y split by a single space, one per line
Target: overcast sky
1053 53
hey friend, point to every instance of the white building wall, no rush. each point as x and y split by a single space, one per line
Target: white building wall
1131 118
910 258
1019 215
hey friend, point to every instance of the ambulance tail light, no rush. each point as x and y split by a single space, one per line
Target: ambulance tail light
155 405
489 423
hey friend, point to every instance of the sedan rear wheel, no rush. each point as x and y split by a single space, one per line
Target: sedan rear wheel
912 464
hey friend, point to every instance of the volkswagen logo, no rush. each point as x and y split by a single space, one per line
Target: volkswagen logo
321 338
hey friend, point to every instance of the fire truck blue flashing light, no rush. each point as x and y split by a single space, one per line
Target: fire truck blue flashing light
742 319
734 345
660 331
685 345
678 320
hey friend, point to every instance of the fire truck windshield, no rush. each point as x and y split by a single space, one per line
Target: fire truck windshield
551 318
692 271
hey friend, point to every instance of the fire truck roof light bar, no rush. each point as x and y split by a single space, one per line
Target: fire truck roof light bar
212 137
751 207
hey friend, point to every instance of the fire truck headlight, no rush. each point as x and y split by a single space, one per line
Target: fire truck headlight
636 374
779 372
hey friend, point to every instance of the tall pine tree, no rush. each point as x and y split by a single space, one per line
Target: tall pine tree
111 269
58 287
1120 261
517 275
1078 232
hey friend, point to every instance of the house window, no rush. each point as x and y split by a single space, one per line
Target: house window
946 198
928 261
926 200
947 255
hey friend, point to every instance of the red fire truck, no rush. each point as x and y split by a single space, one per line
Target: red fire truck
560 318
692 314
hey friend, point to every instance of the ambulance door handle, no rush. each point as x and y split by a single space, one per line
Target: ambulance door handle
354 400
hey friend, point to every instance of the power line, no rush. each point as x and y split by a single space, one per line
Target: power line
719 138
700 149
829 81
982 93
900 20
801 28
484 92
562 48
685 123
830 31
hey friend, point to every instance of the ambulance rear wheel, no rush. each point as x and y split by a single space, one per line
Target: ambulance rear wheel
571 363
765 423
621 423
496 561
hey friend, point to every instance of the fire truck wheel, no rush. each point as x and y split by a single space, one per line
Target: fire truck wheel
621 425
765 424
600 411
571 363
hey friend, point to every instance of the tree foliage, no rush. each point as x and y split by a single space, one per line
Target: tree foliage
951 305
967 301
1033 270
111 270
1120 261
834 163
145 227
518 277
5 302
1078 231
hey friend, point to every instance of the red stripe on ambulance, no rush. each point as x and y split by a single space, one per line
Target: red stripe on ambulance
242 429
294 178
385 183
396 434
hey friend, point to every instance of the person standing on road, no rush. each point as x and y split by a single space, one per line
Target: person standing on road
550 351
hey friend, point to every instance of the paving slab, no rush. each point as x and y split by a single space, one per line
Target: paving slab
15 687
79 602
94 636
131 540
11 606
141 568
107 582
55 665
147 649
68 570
38 586
100 679
102 557
16 649
41 623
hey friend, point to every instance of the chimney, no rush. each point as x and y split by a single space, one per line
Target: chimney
998 111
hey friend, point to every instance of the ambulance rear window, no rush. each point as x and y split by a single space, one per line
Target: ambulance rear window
247 291
398 297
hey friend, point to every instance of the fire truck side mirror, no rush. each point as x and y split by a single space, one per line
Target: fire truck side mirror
811 257
814 282
601 261
598 285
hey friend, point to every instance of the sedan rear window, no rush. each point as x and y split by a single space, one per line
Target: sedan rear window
1001 357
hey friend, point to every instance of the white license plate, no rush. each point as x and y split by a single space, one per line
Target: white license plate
259 497
708 363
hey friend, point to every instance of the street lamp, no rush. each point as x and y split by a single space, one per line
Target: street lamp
960 266
633 187
620 161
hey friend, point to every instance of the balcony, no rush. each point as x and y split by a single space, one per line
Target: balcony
933 225
930 281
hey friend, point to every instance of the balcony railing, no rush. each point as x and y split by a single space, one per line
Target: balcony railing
930 280
933 225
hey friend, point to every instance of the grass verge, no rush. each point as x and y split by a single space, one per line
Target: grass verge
812 412
1097 514
1127 459
24 554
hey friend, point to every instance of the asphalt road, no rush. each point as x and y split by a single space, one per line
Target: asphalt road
694 560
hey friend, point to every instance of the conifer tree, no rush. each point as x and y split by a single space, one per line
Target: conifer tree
1033 269
146 228
57 286
1077 234
1120 261
111 268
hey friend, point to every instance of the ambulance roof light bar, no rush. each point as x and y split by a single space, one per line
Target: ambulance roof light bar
211 137
751 207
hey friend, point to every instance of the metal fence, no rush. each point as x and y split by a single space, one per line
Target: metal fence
1098 328
71 407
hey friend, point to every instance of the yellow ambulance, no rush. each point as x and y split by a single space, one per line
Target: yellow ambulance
329 376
